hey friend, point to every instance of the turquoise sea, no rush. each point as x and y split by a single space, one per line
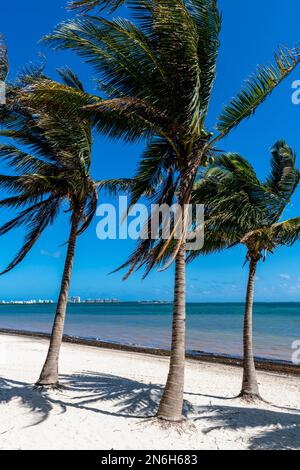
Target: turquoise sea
212 327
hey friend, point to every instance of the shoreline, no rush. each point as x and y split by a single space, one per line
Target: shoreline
261 364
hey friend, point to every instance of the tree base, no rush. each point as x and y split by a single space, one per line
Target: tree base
180 425
169 419
49 378
250 397
48 387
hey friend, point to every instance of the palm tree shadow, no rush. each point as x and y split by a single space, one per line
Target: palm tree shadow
37 403
217 397
131 398
275 430
134 399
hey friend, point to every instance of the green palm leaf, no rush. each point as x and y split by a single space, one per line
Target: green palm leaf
240 208
155 162
257 89
37 221
114 186
208 20
283 178
287 232
87 5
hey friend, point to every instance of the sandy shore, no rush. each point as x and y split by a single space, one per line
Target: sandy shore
109 393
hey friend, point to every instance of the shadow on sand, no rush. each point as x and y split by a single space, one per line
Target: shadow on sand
273 430
133 399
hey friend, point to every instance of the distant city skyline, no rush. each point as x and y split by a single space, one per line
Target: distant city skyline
71 300
26 302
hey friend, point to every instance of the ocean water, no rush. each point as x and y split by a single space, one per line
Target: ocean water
211 328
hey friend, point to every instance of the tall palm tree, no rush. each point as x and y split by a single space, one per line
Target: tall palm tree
157 75
243 210
53 175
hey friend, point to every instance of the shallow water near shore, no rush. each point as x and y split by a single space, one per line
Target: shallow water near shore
212 328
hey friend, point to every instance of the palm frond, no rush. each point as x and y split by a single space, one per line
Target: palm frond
287 232
70 79
36 225
24 217
112 48
11 183
87 5
23 200
135 108
22 161
114 186
59 122
208 21
156 160
283 178
215 241
90 208
257 89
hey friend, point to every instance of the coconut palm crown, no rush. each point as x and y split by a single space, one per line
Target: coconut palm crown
242 209
54 174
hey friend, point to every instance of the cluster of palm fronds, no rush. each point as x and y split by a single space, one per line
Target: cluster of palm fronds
155 76
56 167
247 210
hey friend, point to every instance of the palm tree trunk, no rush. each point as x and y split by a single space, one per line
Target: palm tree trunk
172 401
250 386
49 374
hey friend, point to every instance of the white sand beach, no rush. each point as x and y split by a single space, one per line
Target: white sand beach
109 394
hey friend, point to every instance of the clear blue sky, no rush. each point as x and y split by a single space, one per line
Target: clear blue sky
251 32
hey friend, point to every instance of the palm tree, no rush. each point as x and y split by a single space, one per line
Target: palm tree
242 210
54 174
157 75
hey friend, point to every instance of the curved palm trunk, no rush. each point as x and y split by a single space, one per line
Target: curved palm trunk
250 386
172 401
49 374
